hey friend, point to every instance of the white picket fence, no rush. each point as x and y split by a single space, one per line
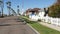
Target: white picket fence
55 21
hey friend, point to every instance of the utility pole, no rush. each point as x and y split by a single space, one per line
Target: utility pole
22 6
9 6
18 10
1 6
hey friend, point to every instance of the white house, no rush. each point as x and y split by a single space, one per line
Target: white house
39 16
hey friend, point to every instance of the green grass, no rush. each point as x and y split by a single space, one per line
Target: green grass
41 29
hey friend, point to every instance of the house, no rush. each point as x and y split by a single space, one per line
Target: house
35 13
39 15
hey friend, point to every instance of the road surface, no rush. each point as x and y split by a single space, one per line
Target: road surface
10 25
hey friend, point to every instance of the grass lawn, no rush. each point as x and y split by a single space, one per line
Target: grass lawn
41 29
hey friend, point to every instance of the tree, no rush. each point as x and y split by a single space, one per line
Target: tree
1 5
8 6
55 10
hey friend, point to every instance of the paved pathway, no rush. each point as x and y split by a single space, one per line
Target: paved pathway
10 25
51 26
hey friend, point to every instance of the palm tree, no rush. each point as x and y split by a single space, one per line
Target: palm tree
0 13
1 5
8 6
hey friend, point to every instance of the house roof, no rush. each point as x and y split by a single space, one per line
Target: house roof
34 9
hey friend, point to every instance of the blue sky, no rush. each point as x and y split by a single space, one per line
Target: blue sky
28 4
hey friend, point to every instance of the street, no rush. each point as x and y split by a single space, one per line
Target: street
10 25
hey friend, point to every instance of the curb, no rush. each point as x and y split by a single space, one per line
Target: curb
33 29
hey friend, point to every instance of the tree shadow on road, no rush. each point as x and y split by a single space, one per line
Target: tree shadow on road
5 24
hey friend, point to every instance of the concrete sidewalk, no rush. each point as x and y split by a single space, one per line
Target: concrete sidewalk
50 26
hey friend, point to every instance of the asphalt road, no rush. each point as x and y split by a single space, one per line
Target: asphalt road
10 25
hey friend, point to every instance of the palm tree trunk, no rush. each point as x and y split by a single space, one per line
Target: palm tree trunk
9 11
2 12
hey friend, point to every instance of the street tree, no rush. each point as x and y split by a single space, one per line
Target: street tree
9 6
1 6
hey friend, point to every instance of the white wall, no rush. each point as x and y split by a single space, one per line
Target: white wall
34 17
